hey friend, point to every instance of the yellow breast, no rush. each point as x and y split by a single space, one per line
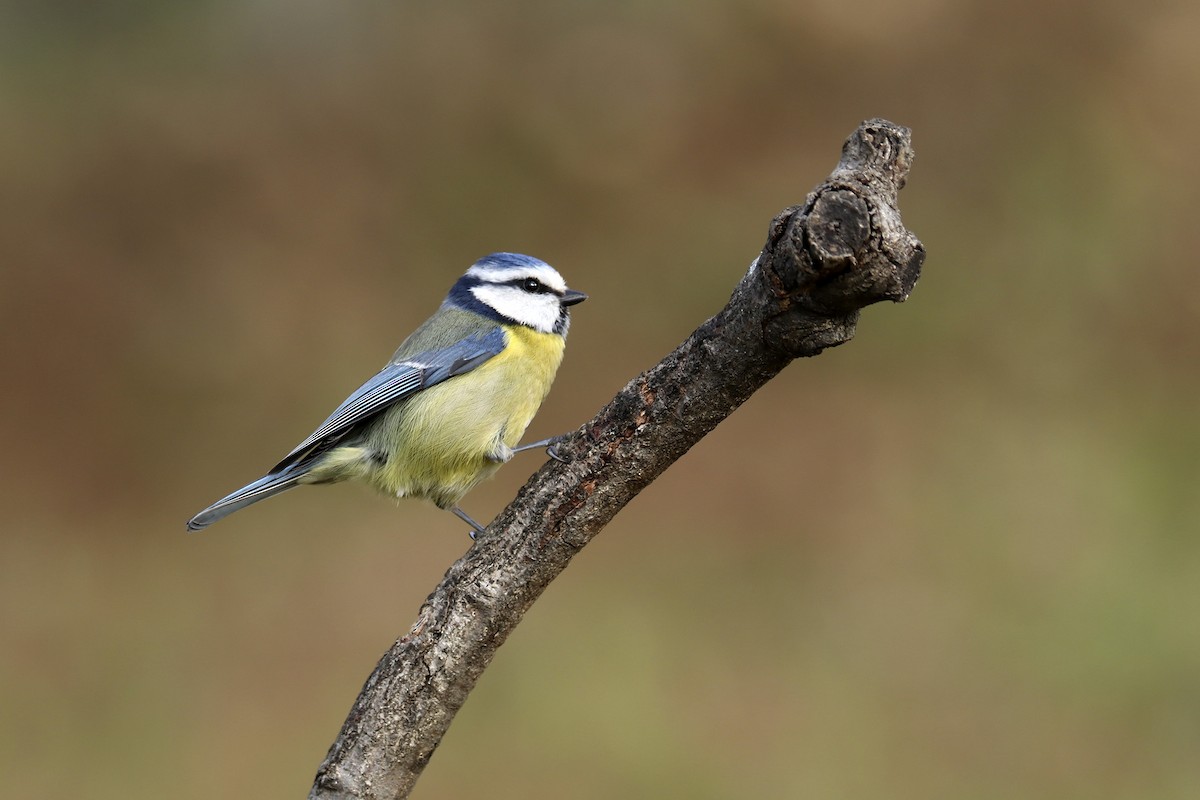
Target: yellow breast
439 442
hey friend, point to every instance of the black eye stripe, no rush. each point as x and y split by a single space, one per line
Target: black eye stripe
532 285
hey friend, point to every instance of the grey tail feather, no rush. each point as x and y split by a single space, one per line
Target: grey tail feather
261 489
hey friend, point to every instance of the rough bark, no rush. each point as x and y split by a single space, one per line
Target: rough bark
843 249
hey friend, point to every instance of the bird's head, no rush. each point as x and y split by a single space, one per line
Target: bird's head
515 288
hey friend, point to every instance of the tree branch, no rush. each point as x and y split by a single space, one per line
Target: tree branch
843 249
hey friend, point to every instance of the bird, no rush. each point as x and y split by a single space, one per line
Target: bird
452 403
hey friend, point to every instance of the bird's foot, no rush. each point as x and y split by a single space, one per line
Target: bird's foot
476 528
549 444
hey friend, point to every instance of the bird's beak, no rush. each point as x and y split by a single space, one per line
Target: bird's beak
571 297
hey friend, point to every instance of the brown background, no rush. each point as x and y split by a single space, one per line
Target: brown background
218 218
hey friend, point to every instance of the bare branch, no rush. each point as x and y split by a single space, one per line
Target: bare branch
843 249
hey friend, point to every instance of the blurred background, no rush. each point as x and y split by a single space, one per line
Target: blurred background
957 557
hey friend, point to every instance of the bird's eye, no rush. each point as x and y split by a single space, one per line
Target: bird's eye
531 285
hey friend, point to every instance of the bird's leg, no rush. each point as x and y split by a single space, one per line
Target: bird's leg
501 455
546 443
476 528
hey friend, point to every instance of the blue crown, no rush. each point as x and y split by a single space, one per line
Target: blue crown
508 261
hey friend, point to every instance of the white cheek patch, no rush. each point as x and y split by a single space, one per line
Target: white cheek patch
538 311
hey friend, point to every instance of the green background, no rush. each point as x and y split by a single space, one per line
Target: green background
956 558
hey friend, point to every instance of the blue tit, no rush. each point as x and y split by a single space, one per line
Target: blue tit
451 404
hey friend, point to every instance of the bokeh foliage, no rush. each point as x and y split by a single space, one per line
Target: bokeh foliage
219 218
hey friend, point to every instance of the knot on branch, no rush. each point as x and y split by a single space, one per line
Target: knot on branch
845 247
882 150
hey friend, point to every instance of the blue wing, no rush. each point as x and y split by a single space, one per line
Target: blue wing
395 382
